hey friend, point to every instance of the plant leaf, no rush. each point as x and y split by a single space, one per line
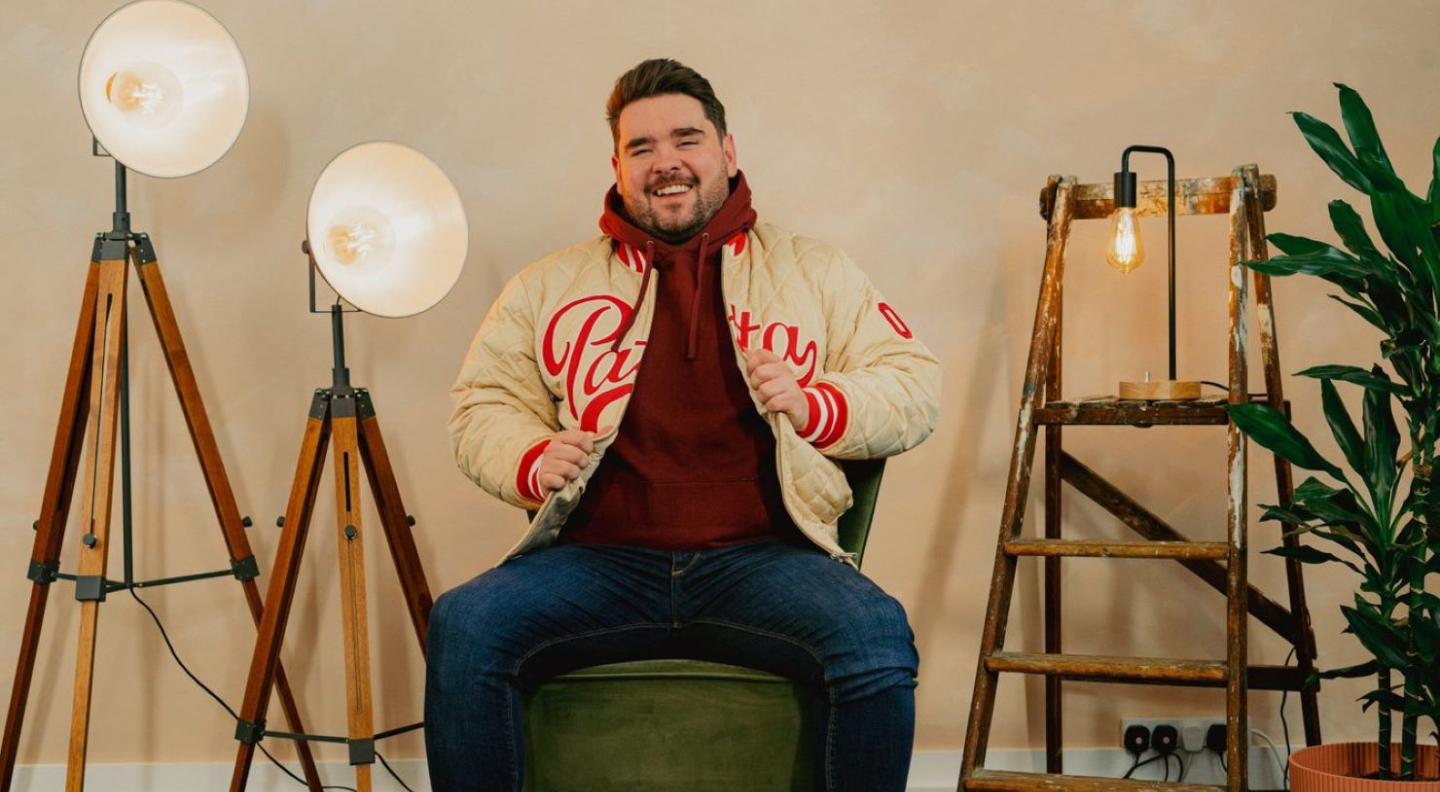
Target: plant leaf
1326 142
1365 669
1392 700
1352 374
1292 245
1338 508
1350 541
1352 231
1415 222
1306 554
1293 515
1434 194
1377 636
1271 429
1386 206
1345 275
1382 443
1427 638
1346 436
1365 139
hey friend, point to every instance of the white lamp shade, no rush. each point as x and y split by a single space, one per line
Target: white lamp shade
163 87
387 229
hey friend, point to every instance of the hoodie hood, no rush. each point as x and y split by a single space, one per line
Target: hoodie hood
736 216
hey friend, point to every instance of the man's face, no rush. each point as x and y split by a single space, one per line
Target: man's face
671 167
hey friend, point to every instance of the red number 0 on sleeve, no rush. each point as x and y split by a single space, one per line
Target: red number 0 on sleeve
895 321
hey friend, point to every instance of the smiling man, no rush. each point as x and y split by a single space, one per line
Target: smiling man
670 399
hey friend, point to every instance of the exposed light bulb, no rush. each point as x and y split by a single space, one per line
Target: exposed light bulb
352 241
146 94
360 236
1126 250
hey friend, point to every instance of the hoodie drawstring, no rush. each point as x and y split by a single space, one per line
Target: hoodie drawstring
695 300
625 326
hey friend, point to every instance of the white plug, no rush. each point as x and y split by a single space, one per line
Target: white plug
1192 737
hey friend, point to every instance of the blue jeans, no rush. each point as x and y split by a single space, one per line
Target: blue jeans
774 606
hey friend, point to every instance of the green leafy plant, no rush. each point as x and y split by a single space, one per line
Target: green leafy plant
1382 518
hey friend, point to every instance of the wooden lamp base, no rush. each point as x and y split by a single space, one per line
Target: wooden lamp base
1161 390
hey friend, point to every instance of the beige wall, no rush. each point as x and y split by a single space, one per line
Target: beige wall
915 135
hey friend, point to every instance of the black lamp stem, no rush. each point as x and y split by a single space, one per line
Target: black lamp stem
1170 210
120 230
121 218
337 334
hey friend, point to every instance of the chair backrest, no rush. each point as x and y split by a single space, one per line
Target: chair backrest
853 527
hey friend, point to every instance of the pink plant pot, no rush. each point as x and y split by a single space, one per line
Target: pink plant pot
1343 767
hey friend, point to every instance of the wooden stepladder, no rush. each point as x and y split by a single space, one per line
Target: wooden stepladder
1245 196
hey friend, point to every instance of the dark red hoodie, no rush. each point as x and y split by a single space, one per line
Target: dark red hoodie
693 465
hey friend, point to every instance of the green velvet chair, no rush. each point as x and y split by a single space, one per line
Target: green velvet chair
673 725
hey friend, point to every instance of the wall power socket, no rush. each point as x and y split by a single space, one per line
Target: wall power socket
1192 730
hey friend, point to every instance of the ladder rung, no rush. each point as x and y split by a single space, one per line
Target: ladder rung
1110 411
1006 781
1273 677
1115 412
1097 668
1080 548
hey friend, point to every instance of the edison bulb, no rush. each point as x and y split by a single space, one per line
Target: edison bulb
360 238
1126 250
146 94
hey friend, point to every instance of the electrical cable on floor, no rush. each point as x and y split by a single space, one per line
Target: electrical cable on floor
392 773
1139 764
1166 779
1180 777
1184 768
165 635
1285 725
1275 754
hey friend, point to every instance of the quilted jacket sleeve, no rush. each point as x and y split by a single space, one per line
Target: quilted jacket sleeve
880 392
504 415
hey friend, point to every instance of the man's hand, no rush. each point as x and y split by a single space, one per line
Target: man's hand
774 386
568 452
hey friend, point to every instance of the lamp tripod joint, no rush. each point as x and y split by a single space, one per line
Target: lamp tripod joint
90 588
249 733
43 573
362 752
245 569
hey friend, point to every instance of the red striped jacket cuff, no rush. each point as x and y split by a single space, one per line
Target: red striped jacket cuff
829 415
527 473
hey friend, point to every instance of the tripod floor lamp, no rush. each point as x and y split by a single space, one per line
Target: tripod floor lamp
164 90
387 231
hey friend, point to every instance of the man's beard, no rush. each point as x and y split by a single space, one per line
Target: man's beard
707 204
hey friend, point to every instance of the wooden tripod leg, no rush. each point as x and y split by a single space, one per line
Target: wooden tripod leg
1303 637
1054 711
99 479
54 513
281 592
1236 527
394 519
222 497
1002 581
353 616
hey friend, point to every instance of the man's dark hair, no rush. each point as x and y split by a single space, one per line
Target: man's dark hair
659 76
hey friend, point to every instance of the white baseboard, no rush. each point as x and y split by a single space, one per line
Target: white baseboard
937 771
930 771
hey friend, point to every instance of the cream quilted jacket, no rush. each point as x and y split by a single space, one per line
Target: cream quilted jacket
560 349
